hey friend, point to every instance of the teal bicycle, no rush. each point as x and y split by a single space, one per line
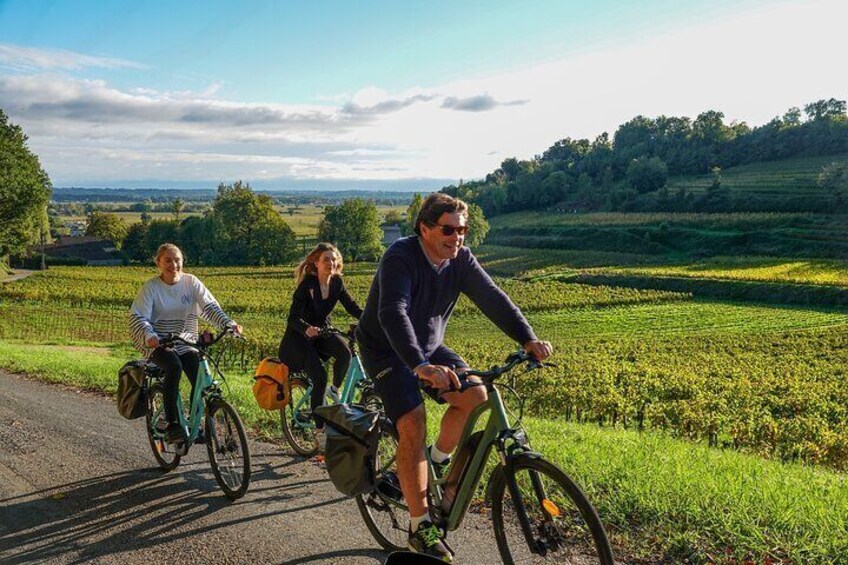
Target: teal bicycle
296 417
210 420
539 514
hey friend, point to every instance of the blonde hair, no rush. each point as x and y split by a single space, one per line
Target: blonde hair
164 248
307 266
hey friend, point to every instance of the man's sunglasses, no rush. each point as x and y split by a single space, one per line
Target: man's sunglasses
448 230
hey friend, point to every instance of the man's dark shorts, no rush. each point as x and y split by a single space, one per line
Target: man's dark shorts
397 385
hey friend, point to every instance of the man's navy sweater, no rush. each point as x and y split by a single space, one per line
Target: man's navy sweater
410 302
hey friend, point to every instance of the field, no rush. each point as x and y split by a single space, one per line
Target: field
303 219
781 179
700 385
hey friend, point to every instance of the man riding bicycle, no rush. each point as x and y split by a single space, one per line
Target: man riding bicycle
401 335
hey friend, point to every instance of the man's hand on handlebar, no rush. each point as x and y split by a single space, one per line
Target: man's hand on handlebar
438 376
313 331
153 342
540 350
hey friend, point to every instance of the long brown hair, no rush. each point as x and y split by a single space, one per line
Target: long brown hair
307 266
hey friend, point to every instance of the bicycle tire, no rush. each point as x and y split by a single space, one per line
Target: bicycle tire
385 516
227 447
166 457
565 525
301 439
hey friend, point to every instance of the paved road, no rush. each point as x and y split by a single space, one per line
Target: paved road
78 484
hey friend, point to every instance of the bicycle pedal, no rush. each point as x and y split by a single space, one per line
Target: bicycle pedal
200 439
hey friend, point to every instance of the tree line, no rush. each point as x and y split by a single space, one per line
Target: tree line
629 171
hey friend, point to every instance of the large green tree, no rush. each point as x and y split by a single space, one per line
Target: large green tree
412 213
249 231
24 191
107 226
834 179
354 227
647 174
478 227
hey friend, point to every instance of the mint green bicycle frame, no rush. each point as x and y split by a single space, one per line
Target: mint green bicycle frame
496 431
355 374
205 388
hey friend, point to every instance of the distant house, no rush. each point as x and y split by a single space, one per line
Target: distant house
93 251
391 233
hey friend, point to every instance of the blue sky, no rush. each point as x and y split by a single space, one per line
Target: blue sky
337 94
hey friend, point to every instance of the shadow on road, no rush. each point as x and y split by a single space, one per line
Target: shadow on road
139 509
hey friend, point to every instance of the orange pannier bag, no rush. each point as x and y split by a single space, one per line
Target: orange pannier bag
271 387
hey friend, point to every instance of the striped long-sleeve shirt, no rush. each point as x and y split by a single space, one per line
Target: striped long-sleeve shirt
160 309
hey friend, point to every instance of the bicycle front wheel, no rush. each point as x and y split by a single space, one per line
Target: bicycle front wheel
157 425
383 509
296 421
227 446
541 516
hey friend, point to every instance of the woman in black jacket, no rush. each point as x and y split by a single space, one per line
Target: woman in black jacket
319 288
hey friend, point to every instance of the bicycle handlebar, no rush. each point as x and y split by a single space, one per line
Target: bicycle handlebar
328 330
205 339
490 376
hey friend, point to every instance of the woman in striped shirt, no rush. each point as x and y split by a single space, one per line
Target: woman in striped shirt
172 303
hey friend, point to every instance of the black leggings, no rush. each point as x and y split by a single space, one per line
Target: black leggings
330 346
173 365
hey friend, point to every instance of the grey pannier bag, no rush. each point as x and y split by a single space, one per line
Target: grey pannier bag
131 401
353 433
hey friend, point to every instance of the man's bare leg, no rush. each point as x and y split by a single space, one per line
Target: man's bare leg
411 466
453 422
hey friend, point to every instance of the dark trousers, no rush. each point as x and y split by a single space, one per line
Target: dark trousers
173 364
323 347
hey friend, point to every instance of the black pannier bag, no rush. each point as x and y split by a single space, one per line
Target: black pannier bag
353 433
131 401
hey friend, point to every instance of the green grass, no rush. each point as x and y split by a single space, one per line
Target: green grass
661 498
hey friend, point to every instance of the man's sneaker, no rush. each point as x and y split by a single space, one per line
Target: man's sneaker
427 539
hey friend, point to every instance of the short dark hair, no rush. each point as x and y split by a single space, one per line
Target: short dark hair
435 205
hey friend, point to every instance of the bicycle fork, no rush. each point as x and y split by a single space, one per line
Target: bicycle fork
537 546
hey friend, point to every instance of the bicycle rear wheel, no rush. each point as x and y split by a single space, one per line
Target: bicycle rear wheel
563 525
298 428
226 443
157 425
384 509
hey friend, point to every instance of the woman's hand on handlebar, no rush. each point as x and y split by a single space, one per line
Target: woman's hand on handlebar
152 342
438 376
312 331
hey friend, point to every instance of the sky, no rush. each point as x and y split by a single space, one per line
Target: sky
385 94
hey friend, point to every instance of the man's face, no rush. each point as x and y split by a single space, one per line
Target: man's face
440 246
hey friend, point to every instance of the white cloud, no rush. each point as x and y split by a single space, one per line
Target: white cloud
28 58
